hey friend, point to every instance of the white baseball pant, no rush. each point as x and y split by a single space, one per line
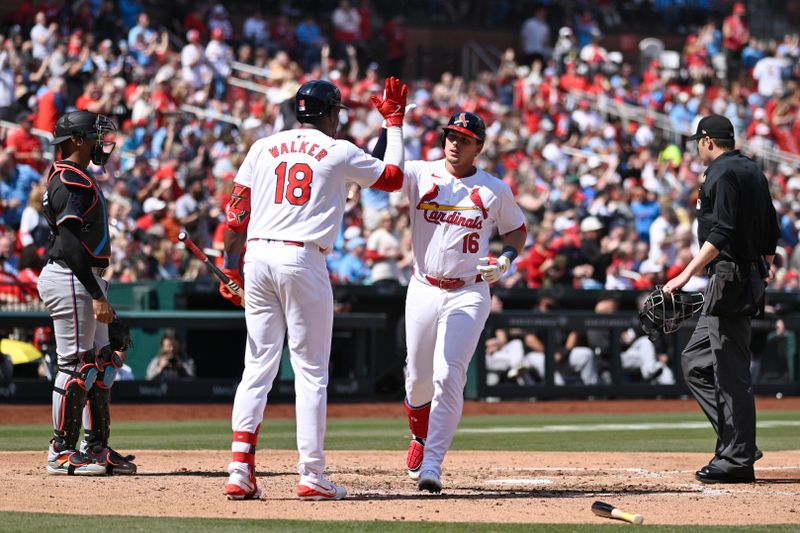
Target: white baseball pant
287 287
442 332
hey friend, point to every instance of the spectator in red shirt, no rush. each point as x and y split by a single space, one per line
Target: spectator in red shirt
153 211
735 35
539 258
571 80
30 265
24 146
395 34
51 105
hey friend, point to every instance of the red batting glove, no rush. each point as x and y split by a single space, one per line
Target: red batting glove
393 104
226 293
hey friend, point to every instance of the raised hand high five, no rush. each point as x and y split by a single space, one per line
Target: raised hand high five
393 104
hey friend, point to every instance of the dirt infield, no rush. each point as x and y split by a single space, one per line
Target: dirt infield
505 487
551 487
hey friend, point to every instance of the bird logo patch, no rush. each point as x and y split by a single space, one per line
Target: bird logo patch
461 120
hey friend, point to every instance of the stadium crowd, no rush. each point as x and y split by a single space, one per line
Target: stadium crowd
609 201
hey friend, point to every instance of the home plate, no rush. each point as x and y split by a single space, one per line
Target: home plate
527 481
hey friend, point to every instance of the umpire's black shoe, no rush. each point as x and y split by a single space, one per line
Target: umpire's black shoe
711 474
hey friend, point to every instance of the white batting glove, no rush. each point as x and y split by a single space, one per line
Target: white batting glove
493 269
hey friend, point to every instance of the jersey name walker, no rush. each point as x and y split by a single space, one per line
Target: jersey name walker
298 184
453 219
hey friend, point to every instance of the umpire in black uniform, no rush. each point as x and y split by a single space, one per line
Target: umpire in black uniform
74 292
738 232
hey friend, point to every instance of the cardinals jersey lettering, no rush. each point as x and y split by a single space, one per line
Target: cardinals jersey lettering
453 219
298 184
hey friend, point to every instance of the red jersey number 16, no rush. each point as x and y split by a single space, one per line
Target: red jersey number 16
471 244
296 180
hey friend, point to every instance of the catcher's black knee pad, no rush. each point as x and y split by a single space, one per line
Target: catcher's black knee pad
108 363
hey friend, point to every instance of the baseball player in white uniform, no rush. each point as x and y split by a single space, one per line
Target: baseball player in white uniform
287 204
456 209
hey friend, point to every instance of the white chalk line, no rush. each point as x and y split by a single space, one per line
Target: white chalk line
639 470
559 428
520 482
680 490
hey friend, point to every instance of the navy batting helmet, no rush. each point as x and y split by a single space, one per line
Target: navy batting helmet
468 124
316 98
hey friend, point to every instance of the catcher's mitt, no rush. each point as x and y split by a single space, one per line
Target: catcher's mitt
663 314
119 335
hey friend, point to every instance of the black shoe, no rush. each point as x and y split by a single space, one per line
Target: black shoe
711 474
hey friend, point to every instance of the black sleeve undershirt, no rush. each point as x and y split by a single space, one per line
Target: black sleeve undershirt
380 147
76 258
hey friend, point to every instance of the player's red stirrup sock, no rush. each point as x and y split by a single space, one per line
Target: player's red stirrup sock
418 422
418 419
244 449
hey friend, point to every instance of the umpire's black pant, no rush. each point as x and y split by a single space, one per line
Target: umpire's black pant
716 367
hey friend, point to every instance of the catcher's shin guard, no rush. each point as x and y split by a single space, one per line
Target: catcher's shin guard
69 397
97 429
97 418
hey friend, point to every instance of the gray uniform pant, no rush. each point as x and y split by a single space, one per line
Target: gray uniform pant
76 330
716 366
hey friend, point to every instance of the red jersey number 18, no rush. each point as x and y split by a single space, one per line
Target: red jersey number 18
297 179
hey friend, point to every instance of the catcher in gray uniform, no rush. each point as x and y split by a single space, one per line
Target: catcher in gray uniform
90 341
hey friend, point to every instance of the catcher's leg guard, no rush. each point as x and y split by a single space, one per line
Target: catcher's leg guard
241 483
418 422
97 429
69 398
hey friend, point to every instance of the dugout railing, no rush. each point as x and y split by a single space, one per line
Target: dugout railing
216 340
367 364
775 357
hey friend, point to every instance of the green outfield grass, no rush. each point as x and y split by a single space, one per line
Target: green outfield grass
30 522
679 432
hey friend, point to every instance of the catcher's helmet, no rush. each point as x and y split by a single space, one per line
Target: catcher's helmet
468 124
316 98
82 124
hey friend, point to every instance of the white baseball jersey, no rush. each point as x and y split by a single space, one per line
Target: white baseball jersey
453 219
298 184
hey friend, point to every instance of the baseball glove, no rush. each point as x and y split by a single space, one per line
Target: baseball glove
119 335
662 314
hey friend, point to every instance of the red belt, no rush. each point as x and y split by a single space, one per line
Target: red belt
300 244
448 284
